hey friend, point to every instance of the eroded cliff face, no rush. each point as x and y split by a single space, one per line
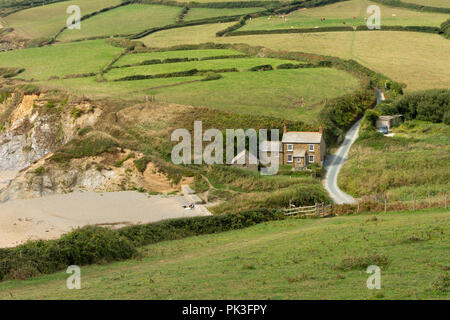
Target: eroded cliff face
34 126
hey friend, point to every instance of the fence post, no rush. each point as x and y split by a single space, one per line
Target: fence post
317 209
414 202
385 204
358 208
446 201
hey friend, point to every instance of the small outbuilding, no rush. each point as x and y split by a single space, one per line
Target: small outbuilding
389 121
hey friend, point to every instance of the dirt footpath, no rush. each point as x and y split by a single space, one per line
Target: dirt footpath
50 217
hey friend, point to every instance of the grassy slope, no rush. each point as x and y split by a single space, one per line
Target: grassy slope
292 259
414 161
127 90
202 13
351 12
240 64
430 3
60 59
139 57
275 93
124 20
45 21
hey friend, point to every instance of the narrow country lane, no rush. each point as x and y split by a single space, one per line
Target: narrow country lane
334 162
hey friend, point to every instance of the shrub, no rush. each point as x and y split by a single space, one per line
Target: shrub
79 148
211 76
429 105
90 245
264 67
76 113
141 164
80 247
362 262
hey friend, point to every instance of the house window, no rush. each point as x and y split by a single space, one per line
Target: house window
311 159
298 160
311 148
289 157
290 147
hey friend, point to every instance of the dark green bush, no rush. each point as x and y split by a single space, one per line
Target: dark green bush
341 113
429 105
264 67
80 247
180 228
90 245
79 148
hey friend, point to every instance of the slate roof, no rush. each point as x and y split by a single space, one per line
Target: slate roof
302 137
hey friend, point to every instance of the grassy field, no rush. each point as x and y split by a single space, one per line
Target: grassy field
430 3
285 94
352 13
192 35
291 94
202 53
413 162
127 90
291 259
417 59
202 13
45 21
124 20
241 64
60 59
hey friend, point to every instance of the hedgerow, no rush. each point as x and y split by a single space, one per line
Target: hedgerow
430 105
95 245
418 7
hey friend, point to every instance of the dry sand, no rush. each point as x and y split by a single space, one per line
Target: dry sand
50 217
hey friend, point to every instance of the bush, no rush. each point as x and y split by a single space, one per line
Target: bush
79 148
340 114
211 76
90 245
80 247
363 262
264 67
429 105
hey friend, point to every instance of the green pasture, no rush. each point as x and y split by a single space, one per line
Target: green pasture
291 94
430 3
46 21
60 59
134 58
124 20
239 63
203 13
347 13
290 259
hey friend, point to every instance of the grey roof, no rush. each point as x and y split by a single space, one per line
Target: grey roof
302 137
271 146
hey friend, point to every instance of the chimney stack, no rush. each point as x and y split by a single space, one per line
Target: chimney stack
320 129
284 129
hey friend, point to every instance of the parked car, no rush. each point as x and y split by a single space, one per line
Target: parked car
384 130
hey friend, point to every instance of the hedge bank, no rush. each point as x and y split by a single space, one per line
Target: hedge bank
95 245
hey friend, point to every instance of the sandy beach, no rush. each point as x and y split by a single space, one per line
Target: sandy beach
50 217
